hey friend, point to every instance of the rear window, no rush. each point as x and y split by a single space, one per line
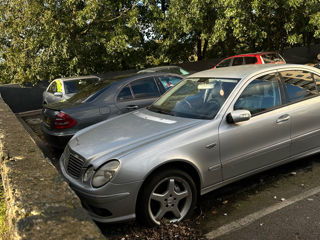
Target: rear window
91 92
272 58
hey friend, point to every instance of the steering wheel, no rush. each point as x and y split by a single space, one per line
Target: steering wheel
214 104
187 103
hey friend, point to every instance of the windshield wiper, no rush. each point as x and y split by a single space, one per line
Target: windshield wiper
159 110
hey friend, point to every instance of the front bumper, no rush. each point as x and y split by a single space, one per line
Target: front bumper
108 204
111 208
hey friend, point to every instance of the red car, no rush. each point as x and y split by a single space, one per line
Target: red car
251 58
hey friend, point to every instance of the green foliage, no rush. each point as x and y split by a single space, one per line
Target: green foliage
3 218
41 40
45 39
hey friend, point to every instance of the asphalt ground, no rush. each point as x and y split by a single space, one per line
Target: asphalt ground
282 203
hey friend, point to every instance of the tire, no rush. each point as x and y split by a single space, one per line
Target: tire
170 195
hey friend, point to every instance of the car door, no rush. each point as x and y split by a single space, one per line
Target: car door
304 109
137 94
262 140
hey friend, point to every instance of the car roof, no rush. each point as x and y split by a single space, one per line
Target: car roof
157 68
76 78
133 76
252 54
243 71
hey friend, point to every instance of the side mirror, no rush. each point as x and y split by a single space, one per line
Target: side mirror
238 116
58 94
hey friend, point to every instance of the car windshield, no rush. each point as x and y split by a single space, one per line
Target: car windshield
199 98
74 86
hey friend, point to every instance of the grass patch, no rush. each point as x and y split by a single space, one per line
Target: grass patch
3 219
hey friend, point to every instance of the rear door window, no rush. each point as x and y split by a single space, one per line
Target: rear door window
237 61
299 85
145 88
250 60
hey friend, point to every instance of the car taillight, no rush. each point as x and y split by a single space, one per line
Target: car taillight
63 121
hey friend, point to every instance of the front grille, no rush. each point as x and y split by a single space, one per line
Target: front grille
74 165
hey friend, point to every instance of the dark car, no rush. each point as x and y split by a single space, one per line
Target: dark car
168 69
100 101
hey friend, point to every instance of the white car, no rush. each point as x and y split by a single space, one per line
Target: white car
63 88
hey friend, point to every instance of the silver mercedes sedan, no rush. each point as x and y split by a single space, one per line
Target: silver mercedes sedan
213 128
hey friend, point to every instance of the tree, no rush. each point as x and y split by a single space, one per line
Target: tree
45 39
41 40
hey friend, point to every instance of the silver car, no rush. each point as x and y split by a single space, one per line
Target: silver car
213 128
62 89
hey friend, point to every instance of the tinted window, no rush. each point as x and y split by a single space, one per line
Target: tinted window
145 88
91 92
237 61
299 85
250 60
125 94
225 63
76 85
53 87
260 95
169 81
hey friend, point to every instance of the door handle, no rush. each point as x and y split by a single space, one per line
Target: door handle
283 118
132 107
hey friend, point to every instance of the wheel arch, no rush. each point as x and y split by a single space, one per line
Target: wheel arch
177 164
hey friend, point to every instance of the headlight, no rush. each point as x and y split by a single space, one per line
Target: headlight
105 173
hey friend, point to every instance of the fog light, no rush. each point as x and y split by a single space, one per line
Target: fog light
87 175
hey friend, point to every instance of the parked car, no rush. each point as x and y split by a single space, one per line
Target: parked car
252 58
62 89
169 69
102 100
213 128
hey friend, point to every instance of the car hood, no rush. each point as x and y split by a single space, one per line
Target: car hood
118 136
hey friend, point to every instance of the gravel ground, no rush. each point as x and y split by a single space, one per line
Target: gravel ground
188 229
